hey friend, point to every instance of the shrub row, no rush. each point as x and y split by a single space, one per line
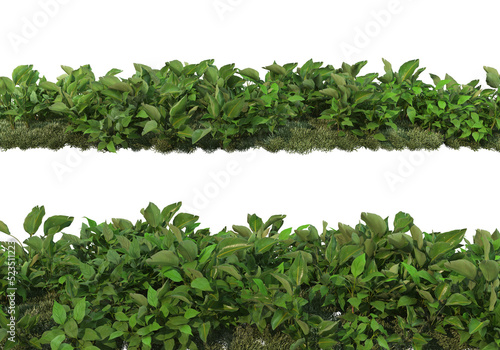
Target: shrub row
164 284
192 102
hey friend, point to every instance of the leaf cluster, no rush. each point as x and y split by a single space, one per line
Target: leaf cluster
190 102
163 283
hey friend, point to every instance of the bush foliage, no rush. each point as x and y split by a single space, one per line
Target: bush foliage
164 284
199 105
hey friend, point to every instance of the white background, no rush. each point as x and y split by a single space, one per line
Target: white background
442 190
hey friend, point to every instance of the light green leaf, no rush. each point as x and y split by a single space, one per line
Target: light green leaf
202 284
79 312
173 275
58 313
152 297
358 265
71 328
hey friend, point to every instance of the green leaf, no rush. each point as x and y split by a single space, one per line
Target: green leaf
303 326
58 313
453 320
6 85
242 231
113 335
206 253
179 108
111 147
284 282
34 220
188 249
326 343
203 331
71 328
276 69
152 297
199 134
475 325
354 301
298 270
250 73
379 305
279 317
59 107
169 211
347 252
4 228
375 223
463 99
121 86
453 237
295 98
442 291
402 222
457 299
190 313
56 223
407 69
79 312
389 74
213 106
406 301
173 275
184 219
413 272
379 136
152 215
202 284
260 284
139 299
164 258
438 249
417 235
229 246
57 341
339 80
492 77
150 126
358 265
382 342
233 108
265 244
463 267
21 73
186 329
361 96
152 111
490 269
230 269
254 222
